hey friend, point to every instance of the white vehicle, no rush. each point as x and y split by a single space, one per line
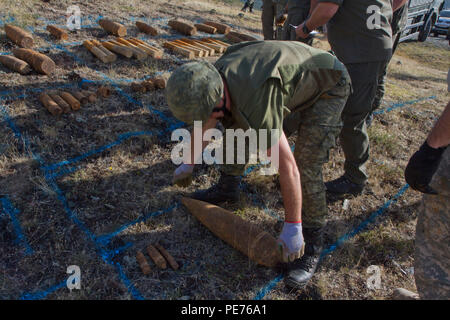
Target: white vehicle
443 23
422 15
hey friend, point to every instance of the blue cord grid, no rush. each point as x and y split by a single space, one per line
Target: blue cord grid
103 240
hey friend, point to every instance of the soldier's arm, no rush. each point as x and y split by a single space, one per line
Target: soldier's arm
312 6
291 189
321 14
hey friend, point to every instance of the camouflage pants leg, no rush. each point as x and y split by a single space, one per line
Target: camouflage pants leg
318 129
432 252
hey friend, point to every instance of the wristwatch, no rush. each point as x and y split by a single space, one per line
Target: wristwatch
305 28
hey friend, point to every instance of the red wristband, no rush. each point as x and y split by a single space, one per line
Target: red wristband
300 221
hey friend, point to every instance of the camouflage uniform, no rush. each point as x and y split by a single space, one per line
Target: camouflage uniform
310 101
432 253
270 11
298 11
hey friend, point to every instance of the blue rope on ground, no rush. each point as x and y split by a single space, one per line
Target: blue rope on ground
106 238
9 209
363 225
402 104
71 215
42 294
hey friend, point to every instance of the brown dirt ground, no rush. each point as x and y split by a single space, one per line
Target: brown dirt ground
131 179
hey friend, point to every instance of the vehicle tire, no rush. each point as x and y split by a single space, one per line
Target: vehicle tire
425 30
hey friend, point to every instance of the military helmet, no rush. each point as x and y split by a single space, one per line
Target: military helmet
193 90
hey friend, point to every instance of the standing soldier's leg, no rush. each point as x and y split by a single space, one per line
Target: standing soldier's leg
268 18
250 6
244 8
319 127
280 7
353 137
432 253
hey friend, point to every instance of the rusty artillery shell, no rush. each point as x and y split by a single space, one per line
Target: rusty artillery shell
138 87
124 51
92 96
156 257
58 33
148 84
71 100
221 28
50 104
38 61
173 264
103 91
243 235
115 28
80 97
96 51
160 82
183 27
205 28
178 49
243 36
19 36
110 55
65 107
143 263
233 38
15 64
145 28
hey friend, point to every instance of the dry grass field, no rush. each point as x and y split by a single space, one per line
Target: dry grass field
92 187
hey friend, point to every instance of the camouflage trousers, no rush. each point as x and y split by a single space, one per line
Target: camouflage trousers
432 248
271 9
317 128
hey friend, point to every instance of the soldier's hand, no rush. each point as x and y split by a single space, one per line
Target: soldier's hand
421 168
291 241
183 175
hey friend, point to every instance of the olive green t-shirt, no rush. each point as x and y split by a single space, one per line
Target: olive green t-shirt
299 4
350 37
269 79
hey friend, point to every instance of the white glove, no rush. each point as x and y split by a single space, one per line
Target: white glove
291 241
183 175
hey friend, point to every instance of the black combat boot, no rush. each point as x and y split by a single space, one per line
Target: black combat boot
343 186
300 271
226 190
